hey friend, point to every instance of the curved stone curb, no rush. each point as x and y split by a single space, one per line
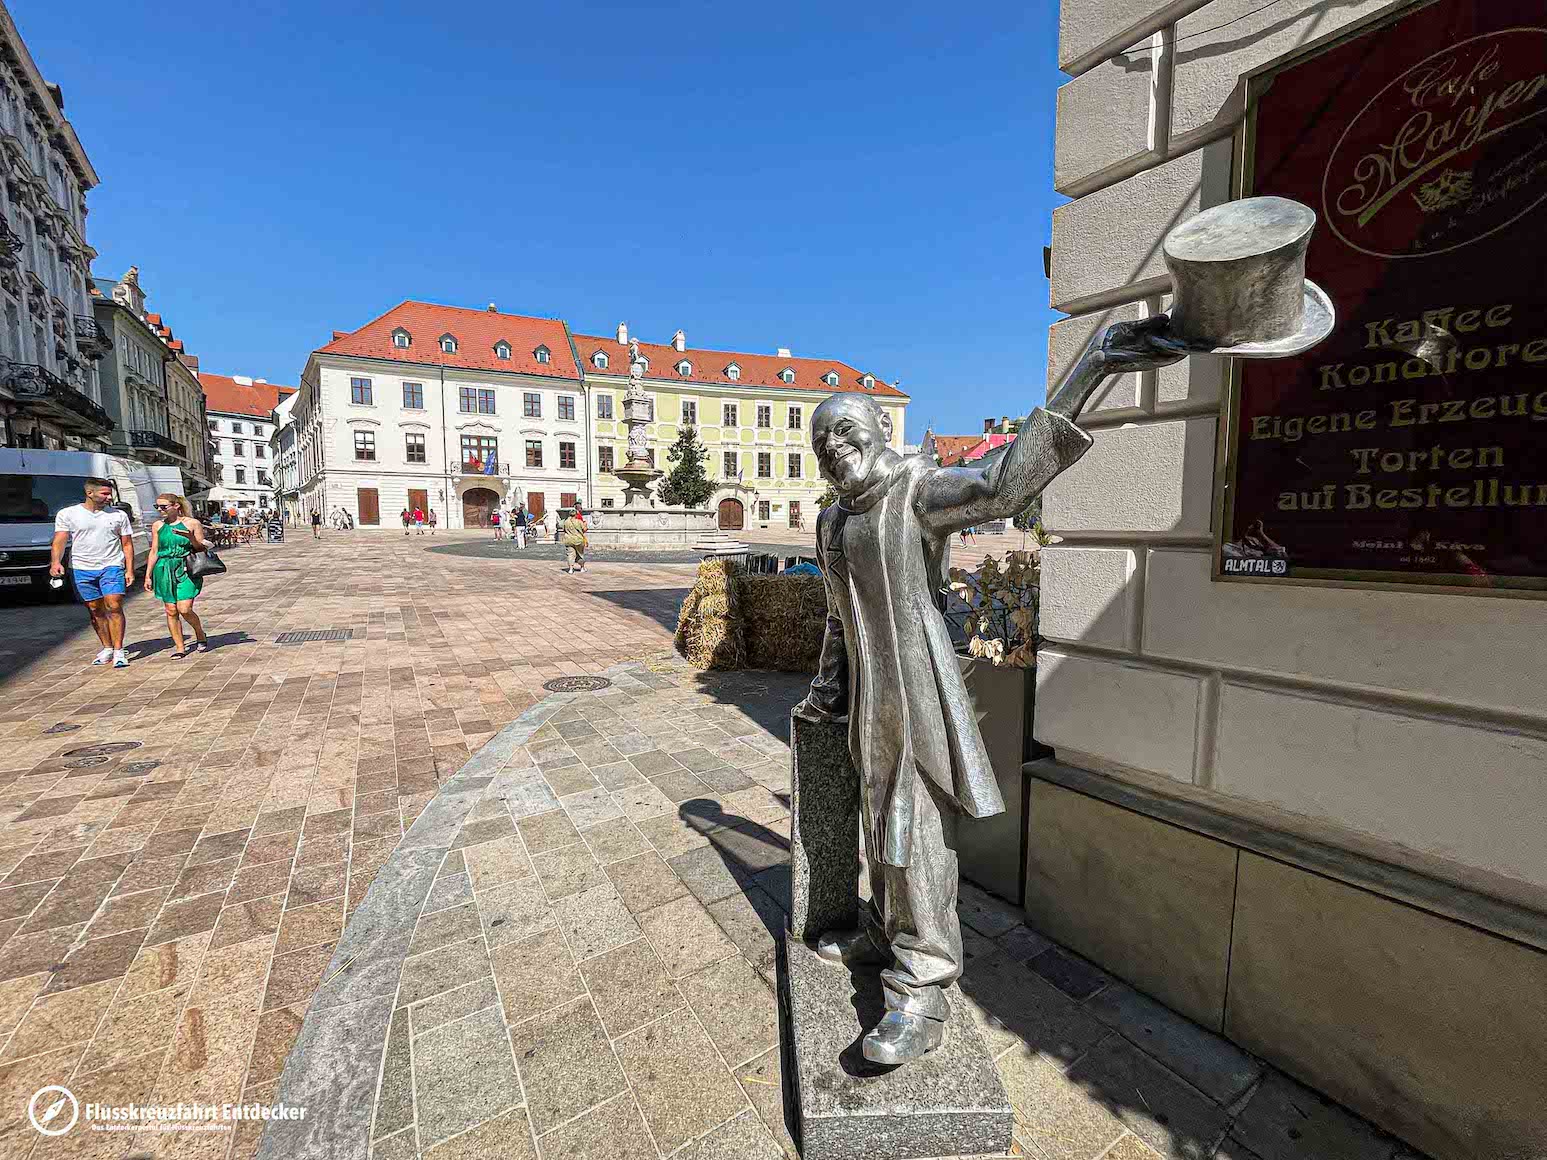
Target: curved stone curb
332 1070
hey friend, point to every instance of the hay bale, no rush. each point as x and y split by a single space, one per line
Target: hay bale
709 627
783 618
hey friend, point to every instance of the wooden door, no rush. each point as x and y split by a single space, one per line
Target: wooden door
369 504
732 515
795 521
536 503
419 500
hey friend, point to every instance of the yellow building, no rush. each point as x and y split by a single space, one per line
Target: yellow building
752 411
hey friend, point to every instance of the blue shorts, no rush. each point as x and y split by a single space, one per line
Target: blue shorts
95 583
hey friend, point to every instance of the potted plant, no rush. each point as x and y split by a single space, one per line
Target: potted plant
996 608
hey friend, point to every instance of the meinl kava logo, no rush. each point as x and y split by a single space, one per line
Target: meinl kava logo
1449 152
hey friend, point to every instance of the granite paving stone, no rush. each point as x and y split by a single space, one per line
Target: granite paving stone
568 871
513 911
613 1130
645 882
594 921
680 1081
685 936
534 975
762 1081
614 840
566 1064
1170 1115
430 1013
505 1137
708 875
449 967
630 987
1209 1062
736 1007
744 1138
463 1075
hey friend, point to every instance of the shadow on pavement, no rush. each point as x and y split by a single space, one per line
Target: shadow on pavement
659 604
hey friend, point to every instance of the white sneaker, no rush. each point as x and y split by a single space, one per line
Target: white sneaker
103 657
120 659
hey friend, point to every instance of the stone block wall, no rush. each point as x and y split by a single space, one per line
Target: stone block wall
1390 747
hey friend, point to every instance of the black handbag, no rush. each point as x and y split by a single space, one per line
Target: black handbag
205 563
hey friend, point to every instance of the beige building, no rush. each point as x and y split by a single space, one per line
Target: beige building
752 413
1308 815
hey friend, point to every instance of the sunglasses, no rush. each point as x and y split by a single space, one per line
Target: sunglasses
166 507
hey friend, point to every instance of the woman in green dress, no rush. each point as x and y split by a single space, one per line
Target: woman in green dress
173 537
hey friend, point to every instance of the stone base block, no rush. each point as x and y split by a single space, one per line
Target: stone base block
950 1103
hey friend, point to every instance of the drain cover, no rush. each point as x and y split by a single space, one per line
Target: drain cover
62 727
138 766
88 762
577 684
103 749
307 635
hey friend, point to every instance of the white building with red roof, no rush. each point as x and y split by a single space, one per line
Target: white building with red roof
241 420
456 411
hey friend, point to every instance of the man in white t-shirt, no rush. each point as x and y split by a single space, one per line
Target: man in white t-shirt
101 543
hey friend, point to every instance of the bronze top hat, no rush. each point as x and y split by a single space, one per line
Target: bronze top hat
1239 284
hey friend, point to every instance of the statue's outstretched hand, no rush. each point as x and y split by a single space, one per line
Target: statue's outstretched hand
1141 346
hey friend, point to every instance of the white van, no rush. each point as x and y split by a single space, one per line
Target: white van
35 485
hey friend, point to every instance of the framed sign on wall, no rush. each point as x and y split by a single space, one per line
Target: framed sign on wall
1410 448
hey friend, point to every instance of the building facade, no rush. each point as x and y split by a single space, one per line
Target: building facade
284 460
1306 814
240 419
50 396
148 386
460 412
752 413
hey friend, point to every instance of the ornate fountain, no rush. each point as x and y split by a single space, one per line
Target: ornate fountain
638 473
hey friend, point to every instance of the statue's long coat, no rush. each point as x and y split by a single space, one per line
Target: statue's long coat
887 654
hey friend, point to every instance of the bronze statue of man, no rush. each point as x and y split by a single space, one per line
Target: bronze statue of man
889 665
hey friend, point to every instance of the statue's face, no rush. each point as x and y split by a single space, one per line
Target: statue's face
846 436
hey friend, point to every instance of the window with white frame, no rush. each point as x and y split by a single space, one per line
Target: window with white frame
532 405
604 406
733 372
795 418
868 382
566 454
567 407
599 360
401 339
365 446
831 378
795 465
729 466
502 350
360 392
414 450
413 396
728 414
604 459
787 375
544 355
689 411
448 344
765 464
765 415
684 368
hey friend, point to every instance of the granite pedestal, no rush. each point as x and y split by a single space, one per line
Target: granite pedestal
951 1102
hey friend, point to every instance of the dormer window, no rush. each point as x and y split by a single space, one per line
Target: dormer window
502 350
831 378
787 375
733 372
599 360
684 368
448 344
868 382
542 353
401 339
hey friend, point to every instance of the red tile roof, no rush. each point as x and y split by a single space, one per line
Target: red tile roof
708 366
224 394
476 332
952 449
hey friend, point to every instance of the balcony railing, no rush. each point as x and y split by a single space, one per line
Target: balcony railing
40 390
156 441
90 339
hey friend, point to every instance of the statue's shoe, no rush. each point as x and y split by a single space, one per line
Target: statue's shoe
900 1037
849 947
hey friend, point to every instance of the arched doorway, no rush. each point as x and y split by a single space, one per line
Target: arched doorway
477 504
733 515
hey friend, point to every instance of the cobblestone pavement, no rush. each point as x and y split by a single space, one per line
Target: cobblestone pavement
166 910
381 878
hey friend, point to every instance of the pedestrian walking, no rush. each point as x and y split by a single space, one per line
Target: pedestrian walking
574 539
316 524
969 535
101 543
419 521
518 526
496 524
434 519
172 538
406 517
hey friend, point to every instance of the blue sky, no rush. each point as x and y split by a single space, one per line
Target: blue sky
854 180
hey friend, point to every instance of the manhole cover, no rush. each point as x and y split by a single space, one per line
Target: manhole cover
62 727
88 762
307 635
138 766
103 749
577 684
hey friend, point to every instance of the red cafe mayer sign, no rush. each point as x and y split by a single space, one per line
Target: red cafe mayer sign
1411 446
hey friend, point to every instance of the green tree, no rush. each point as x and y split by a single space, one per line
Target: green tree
827 498
685 484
